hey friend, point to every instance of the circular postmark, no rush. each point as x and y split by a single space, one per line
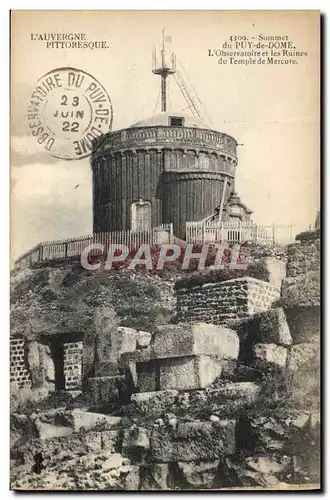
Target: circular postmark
68 109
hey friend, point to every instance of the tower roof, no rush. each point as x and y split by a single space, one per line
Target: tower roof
163 119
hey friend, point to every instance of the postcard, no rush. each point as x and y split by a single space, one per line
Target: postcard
165 250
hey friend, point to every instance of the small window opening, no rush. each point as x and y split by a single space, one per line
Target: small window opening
176 121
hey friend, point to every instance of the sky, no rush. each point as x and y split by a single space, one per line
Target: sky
271 110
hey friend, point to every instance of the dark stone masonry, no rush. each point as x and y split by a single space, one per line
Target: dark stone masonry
219 303
19 373
73 365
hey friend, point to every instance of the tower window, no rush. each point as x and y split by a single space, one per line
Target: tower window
141 215
176 121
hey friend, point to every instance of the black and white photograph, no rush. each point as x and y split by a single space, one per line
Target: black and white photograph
165 250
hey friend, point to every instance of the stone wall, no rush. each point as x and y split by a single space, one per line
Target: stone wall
73 365
219 303
19 373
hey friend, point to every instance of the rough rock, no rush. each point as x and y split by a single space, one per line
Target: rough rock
130 478
156 477
100 390
301 291
145 376
274 328
270 355
194 339
264 471
199 475
55 448
59 422
267 464
193 441
110 440
21 429
222 400
303 354
143 339
270 433
304 323
135 441
93 471
303 257
154 402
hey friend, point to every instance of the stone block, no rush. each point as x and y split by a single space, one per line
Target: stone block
138 367
276 270
136 441
82 419
267 464
46 431
101 390
194 339
269 433
130 478
199 475
110 440
304 355
134 357
193 441
270 355
284 436
274 327
190 372
93 440
156 477
154 402
304 323
264 471
143 339
246 392
120 340
301 291
221 400
54 447
146 373
105 368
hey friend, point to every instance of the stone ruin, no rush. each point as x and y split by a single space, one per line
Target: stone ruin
51 363
178 395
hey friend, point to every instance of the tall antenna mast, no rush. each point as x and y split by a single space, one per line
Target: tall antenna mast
163 69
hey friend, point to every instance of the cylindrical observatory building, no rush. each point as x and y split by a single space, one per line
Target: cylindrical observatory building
170 168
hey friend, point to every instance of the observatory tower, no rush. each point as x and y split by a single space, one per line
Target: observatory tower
169 168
